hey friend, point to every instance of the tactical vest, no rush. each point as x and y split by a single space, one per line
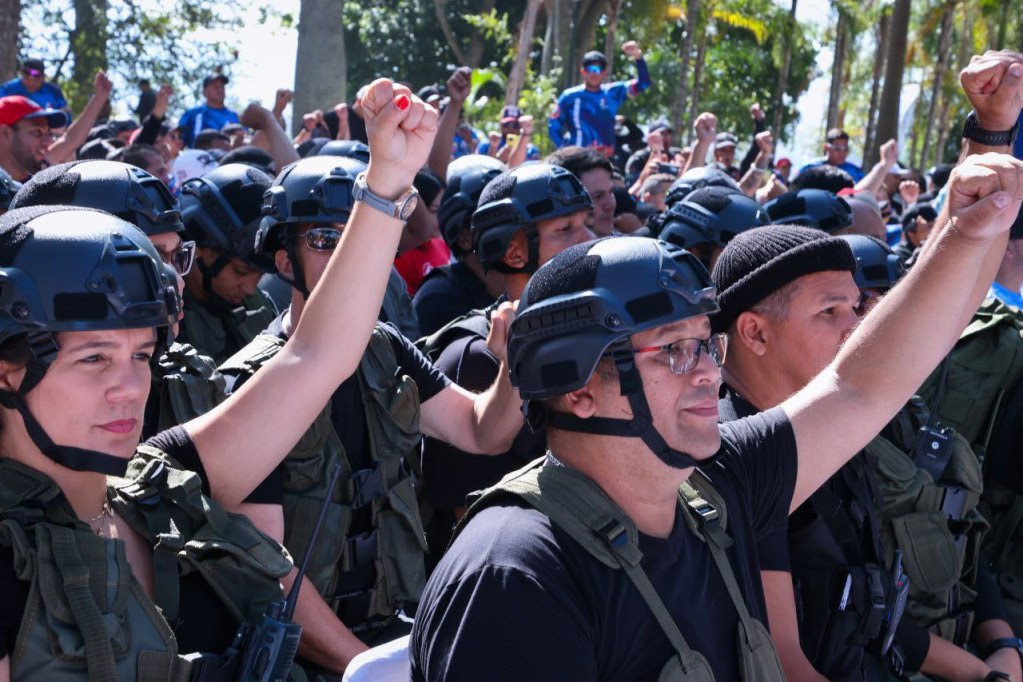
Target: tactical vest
186 384
389 560
475 323
986 364
220 335
842 586
86 616
580 508
935 523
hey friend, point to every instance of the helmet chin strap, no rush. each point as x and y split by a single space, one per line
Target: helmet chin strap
297 273
214 300
640 426
67 456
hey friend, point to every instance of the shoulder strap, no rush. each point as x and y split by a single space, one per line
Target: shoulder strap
253 356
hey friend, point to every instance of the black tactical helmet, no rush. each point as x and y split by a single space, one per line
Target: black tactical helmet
466 178
812 208
877 266
352 149
66 268
315 190
712 215
120 189
695 178
518 199
221 210
585 303
8 188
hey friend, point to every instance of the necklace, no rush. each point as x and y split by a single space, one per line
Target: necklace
106 512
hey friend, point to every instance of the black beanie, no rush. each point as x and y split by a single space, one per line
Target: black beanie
759 262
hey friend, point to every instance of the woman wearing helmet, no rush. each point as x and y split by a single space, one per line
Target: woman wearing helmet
113 561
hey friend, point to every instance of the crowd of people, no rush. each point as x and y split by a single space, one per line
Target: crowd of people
392 399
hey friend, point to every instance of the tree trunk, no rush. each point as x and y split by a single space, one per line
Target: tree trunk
89 47
320 67
777 105
837 69
888 111
440 9
10 20
1002 25
614 8
587 29
701 54
692 21
875 89
559 26
943 117
476 42
944 49
518 71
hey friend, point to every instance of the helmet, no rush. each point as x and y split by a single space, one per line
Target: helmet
8 188
518 199
109 277
317 189
352 149
120 189
584 304
695 178
811 207
221 210
467 176
877 266
714 218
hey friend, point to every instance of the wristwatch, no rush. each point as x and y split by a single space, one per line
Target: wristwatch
1005 643
991 138
400 209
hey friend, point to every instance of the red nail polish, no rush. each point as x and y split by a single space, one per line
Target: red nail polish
402 102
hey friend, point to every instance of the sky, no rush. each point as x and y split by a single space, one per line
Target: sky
266 61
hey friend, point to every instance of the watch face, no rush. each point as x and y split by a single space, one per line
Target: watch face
408 206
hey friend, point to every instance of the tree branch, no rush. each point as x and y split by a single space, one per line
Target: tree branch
440 9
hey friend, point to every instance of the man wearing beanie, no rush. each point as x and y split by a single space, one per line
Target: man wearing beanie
788 301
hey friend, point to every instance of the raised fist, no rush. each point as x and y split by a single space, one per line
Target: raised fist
631 50
282 98
256 116
764 142
526 124
984 194
993 82
459 85
101 85
706 127
400 128
909 191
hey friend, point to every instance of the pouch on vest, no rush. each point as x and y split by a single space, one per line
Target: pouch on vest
187 385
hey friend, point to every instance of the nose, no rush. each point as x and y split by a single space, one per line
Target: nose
250 284
129 381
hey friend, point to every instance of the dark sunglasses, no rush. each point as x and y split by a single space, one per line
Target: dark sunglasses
594 68
32 72
181 258
322 238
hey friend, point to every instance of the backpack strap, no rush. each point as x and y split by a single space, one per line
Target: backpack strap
475 323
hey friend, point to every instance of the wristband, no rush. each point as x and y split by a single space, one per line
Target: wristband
991 138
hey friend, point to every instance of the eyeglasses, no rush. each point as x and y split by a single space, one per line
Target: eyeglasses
181 258
594 68
684 354
32 73
322 238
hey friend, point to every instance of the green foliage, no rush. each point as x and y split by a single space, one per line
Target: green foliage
159 42
493 27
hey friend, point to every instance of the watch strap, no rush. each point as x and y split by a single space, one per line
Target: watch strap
991 138
363 193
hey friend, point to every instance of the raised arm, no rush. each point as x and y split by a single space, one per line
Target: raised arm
705 127
244 438
274 140
459 85
64 148
871 182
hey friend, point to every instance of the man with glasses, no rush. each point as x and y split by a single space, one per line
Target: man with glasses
585 114
836 151
31 82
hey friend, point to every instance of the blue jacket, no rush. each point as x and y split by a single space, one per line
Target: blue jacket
587 118
203 117
49 96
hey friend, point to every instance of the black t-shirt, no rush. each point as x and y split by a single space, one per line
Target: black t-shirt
348 413
515 598
204 623
446 293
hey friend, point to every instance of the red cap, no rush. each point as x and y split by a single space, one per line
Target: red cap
17 107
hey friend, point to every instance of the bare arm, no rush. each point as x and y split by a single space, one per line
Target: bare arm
952 663
64 148
274 139
244 438
486 423
518 152
781 617
5 669
1002 660
458 89
705 126
837 413
871 182
754 177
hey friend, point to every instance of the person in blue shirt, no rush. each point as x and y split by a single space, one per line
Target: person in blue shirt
32 83
585 114
512 125
213 114
1008 284
836 151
